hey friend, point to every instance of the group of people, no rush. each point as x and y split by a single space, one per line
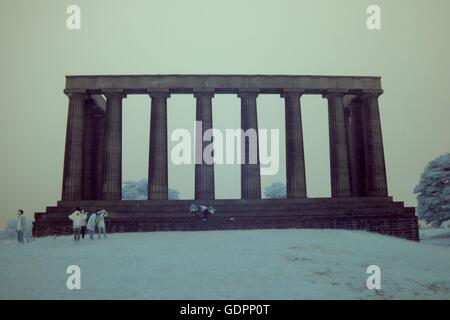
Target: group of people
201 209
84 221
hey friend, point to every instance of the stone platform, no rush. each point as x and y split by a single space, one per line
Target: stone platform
377 214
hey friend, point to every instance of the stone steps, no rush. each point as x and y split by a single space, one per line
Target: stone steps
223 206
169 213
374 214
390 224
261 206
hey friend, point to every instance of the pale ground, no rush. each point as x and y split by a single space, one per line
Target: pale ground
260 264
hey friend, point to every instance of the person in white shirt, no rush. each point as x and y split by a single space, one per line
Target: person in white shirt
101 223
20 226
91 224
77 221
83 223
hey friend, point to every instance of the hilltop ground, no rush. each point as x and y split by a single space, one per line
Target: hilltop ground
260 264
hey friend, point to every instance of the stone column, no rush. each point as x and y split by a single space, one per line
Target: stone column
157 166
72 186
373 146
112 164
355 139
340 181
99 125
204 172
295 157
89 152
250 167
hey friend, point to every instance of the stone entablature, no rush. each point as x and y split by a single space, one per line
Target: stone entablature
271 84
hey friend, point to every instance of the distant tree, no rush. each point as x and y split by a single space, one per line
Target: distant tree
137 190
174 194
433 191
134 190
276 190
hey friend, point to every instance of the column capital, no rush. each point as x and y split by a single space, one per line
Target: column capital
198 93
370 94
110 93
332 93
292 93
158 93
244 93
82 93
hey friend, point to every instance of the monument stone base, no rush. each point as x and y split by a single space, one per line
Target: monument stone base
378 214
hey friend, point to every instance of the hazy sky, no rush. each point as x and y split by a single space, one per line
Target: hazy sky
326 37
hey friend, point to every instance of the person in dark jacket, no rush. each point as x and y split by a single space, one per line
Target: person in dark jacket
204 211
84 215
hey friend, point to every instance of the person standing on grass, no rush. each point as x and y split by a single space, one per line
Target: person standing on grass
77 220
92 222
101 223
20 226
83 223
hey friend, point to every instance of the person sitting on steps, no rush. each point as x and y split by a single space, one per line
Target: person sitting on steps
193 209
204 212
